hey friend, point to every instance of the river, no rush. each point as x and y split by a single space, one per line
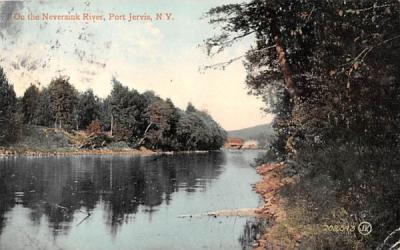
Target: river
122 202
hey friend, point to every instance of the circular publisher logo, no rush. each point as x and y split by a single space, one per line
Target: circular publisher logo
364 228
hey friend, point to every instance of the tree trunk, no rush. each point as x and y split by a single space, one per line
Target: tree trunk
282 61
144 134
112 124
284 65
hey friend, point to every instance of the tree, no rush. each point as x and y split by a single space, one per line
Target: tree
88 109
190 108
322 53
44 111
216 134
64 99
196 130
105 114
30 103
139 119
173 123
126 109
8 102
185 131
329 71
162 118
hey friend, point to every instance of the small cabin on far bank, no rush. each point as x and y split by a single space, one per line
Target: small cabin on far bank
234 143
250 144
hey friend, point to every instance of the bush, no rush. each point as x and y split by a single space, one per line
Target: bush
94 128
344 184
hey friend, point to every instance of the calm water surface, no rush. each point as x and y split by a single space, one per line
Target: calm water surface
109 202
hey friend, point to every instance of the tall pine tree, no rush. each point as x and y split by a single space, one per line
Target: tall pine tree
8 102
88 109
64 99
30 104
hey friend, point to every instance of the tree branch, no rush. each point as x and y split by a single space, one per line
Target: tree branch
352 11
223 44
223 65
360 57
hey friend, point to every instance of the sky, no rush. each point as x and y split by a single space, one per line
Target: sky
164 56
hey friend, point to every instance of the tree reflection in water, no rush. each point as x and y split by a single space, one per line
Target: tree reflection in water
59 187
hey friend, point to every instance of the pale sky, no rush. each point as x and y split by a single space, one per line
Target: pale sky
163 56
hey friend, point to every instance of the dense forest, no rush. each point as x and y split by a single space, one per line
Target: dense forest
330 72
139 119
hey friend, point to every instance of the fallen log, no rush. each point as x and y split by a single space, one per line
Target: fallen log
243 212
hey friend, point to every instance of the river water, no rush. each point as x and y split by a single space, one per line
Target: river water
122 202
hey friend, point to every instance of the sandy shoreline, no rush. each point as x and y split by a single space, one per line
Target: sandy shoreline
272 210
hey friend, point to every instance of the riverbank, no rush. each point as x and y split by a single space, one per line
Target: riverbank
9 152
273 209
43 141
73 151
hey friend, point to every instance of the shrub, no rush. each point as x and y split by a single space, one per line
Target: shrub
94 128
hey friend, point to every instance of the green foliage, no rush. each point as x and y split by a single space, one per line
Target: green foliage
137 119
104 113
329 71
126 110
64 99
88 109
190 108
44 113
331 48
146 119
162 119
8 103
30 104
197 130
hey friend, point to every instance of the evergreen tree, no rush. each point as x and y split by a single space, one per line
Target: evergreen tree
30 102
88 109
64 99
8 102
44 112
126 108
105 113
190 108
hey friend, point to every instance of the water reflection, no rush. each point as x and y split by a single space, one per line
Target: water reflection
60 187
61 198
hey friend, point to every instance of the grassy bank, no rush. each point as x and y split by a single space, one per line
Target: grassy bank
44 141
294 222
320 200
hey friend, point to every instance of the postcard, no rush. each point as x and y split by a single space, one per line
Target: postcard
187 124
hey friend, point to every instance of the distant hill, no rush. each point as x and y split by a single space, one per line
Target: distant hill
252 132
